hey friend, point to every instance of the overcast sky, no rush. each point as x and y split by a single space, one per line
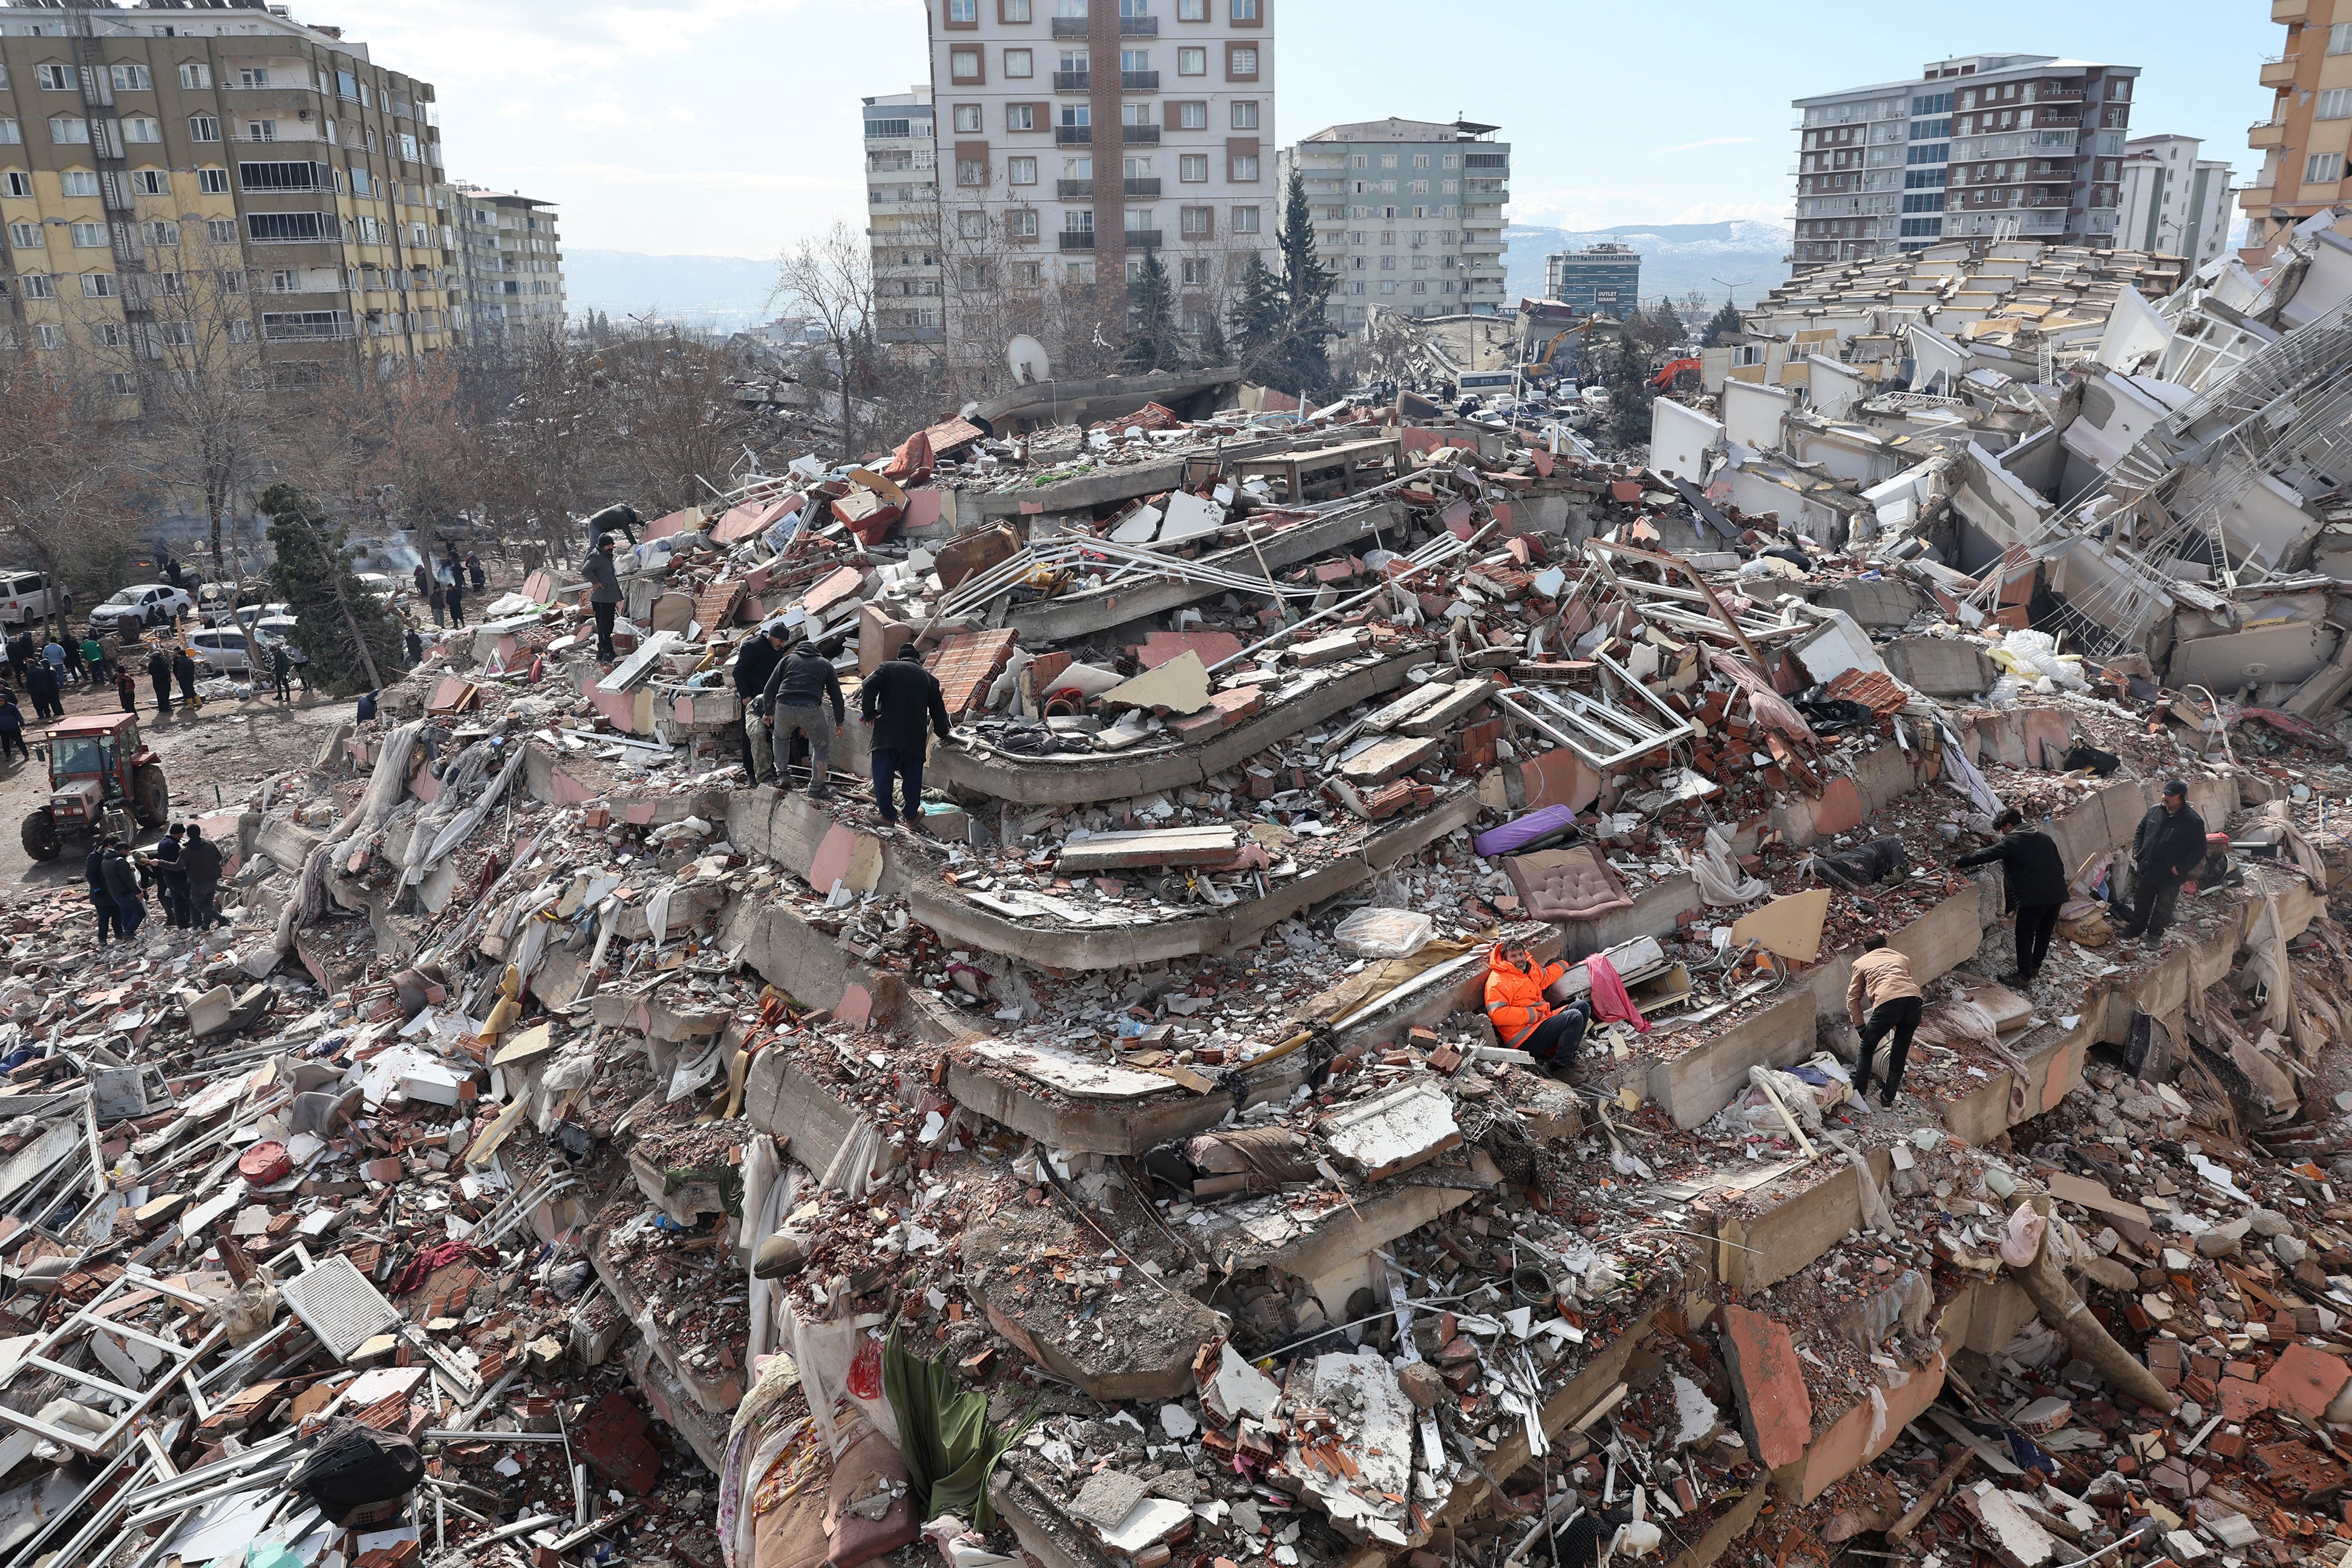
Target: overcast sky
730 126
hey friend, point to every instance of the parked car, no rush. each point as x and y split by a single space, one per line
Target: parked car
141 606
381 586
30 597
271 630
222 650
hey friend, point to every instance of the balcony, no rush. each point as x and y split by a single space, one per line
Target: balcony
1074 190
1069 26
1073 81
2279 70
2289 10
2266 134
911 334
1149 187
1143 238
1139 136
1073 135
1078 239
1139 81
1139 27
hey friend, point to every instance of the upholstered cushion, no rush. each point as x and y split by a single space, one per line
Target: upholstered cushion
1574 884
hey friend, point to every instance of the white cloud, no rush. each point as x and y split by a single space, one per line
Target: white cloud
1708 142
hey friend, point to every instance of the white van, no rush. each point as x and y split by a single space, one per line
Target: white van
221 650
30 596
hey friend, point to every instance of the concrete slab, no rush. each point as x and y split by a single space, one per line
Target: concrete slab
1940 666
1776 1409
1394 1132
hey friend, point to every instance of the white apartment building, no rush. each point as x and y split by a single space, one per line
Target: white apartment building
902 219
1409 213
1076 135
512 259
2173 201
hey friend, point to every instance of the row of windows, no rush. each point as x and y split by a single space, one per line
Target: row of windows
968 119
966 13
138 129
966 64
162 233
1196 222
1388 264
1192 169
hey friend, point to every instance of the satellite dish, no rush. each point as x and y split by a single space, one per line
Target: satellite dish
1027 357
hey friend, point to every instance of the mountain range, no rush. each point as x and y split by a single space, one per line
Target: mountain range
721 293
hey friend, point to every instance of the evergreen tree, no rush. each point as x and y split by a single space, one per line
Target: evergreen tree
1212 348
1153 341
351 638
1629 396
1260 322
1669 322
1306 286
1724 320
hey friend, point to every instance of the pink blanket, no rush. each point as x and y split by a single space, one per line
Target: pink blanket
1610 999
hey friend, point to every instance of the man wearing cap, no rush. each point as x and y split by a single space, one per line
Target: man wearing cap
754 662
794 701
2167 849
896 699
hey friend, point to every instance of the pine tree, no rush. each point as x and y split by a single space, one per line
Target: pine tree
1629 396
1153 341
349 635
1724 320
1212 348
1306 286
1669 322
1260 322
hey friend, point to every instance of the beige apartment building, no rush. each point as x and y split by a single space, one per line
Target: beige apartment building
509 261
2308 135
1407 213
154 154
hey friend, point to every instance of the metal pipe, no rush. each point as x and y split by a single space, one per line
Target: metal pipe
1460 547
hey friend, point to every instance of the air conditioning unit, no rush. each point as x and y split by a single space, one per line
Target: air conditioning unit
301 114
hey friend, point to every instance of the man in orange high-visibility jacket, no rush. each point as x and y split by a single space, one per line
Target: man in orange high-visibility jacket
1523 1019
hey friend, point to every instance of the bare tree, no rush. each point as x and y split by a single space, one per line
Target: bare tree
830 280
673 406
67 497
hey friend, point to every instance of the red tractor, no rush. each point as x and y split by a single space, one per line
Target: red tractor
102 781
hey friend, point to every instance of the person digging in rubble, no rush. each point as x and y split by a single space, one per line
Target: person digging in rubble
1523 1020
1882 983
604 595
755 661
2034 876
895 701
2167 849
794 701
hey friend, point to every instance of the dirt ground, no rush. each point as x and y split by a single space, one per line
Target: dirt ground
211 757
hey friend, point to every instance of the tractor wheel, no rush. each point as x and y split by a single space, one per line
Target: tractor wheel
40 835
151 797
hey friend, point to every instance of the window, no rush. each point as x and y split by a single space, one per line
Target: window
11 134
109 334
971 225
2339 38
1244 115
2322 167
1416 188
1193 223
203 128
967 118
1192 10
196 76
1020 171
1020 117
88 236
162 233
280 227
1024 222
24 235
1245 219
1192 168
44 336
98 286
1077 220
1241 60
1245 10
131 79
1388 264
963 65
1135 114
261 130
68 130
1020 63
1192 117
963 12
139 128
408 147
347 86
54 78
2335 103
972 170
221 230
1014 10
150 183
371 138
78 183
38 286
1244 168
171 283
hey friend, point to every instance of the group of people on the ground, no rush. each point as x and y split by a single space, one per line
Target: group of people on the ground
443 589
184 867
790 688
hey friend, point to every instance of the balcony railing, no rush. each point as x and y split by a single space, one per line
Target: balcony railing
1139 27
1149 187
1134 135
1073 135
1078 239
1143 238
1073 81
1069 26
1139 81
1074 190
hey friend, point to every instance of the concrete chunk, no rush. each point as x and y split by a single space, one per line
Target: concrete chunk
1775 1409
1393 1132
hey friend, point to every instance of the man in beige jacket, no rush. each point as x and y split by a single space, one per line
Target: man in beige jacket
1882 983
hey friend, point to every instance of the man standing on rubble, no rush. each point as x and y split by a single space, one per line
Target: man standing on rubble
1882 982
171 882
794 702
2034 874
200 863
895 701
604 595
122 883
2169 850
754 662
101 897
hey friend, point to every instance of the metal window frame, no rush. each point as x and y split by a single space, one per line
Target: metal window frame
87 1319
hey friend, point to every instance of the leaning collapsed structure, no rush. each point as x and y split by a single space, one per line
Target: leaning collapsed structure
1120 1172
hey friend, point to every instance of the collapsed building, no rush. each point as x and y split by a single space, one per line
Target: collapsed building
631 1163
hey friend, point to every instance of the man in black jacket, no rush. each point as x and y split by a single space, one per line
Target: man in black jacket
794 701
603 594
159 676
122 883
754 662
102 899
200 858
896 699
2035 876
2167 849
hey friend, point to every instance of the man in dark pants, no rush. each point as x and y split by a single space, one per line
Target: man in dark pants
2167 849
1555 1042
122 883
603 594
754 662
159 676
200 860
794 701
428 591
2035 877
41 686
281 672
184 668
896 699
171 882
93 871
1881 984
456 594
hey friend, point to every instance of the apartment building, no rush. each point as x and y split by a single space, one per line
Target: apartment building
1072 136
2308 135
2008 146
1408 212
155 153
902 218
510 261
2174 202
1602 279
